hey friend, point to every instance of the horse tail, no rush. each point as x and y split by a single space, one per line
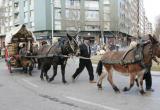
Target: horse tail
99 68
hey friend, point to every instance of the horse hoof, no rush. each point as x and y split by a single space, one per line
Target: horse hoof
116 89
142 92
30 74
49 79
42 79
125 89
64 82
99 86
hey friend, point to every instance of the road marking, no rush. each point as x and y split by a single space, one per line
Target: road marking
91 103
28 82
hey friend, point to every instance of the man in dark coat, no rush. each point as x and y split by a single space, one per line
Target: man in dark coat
85 51
147 76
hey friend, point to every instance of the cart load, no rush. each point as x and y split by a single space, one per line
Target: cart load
19 35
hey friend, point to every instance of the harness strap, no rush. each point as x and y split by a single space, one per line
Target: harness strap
124 55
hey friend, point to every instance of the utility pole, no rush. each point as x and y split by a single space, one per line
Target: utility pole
52 6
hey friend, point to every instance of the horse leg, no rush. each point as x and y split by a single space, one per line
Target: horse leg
39 63
132 78
41 76
63 73
136 80
54 73
99 83
115 88
31 67
141 84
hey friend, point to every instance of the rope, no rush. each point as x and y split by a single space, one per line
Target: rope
51 55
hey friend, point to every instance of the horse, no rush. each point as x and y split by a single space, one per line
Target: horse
129 67
55 55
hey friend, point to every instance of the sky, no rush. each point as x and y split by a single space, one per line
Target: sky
152 9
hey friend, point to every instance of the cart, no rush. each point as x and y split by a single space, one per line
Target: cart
20 34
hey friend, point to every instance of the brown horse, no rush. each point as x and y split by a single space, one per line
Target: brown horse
133 69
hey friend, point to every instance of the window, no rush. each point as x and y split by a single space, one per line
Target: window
73 14
106 25
32 24
16 5
31 13
25 3
25 15
106 9
106 2
92 5
57 25
92 15
107 16
57 3
92 27
72 3
16 15
57 13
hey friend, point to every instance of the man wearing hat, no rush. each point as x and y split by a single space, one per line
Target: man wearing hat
85 61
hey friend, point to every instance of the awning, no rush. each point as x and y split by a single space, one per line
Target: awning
19 34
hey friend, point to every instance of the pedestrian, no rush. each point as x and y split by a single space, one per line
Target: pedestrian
85 51
147 76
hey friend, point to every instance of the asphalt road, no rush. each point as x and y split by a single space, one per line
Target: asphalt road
19 91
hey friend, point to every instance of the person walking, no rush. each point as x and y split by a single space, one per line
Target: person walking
148 77
85 51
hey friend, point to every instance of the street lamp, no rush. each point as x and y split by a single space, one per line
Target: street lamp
52 6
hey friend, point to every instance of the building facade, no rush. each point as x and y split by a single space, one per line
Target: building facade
93 18
148 27
35 14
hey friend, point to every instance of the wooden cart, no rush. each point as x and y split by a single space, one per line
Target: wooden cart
18 35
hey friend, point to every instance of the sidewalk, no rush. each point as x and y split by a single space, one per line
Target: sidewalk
155 73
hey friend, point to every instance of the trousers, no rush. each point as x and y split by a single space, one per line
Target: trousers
82 64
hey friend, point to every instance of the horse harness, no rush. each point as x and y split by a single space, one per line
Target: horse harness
138 56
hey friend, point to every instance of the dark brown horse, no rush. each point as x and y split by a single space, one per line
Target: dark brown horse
59 52
128 67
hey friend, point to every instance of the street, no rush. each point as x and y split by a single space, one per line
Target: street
19 91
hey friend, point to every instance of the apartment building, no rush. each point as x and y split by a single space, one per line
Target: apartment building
93 18
35 14
148 27
2 21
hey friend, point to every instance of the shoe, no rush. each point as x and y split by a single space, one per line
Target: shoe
150 90
92 81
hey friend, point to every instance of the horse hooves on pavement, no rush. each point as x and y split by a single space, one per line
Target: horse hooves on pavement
65 82
125 89
30 74
99 86
116 89
142 92
49 79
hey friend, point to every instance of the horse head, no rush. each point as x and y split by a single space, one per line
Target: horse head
70 45
155 46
